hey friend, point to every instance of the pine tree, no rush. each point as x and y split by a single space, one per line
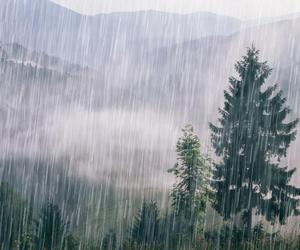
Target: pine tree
51 228
109 241
252 139
145 231
191 191
15 218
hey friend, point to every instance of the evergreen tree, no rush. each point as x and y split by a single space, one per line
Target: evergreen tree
191 191
109 241
145 229
51 228
252 139
258 235
15 218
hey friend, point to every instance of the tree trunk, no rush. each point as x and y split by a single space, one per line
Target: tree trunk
249 223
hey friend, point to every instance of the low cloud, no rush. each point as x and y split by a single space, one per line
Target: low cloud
133 147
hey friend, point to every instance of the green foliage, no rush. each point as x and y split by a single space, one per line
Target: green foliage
72 243
15 218
232 237
52 230
252 139
109 241
145 230
25 242
191 192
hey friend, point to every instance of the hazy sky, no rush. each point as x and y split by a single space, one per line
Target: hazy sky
244 9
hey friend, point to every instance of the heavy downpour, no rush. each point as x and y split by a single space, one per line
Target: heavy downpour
149 124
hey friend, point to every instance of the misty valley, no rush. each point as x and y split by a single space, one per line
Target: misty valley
148 130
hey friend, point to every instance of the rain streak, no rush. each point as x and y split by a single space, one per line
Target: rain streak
148 130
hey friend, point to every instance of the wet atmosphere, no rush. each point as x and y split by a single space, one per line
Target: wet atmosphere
146 125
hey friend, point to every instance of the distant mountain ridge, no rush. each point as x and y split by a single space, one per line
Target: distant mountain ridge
48 27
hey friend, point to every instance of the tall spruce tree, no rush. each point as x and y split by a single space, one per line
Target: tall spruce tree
191 192
252 138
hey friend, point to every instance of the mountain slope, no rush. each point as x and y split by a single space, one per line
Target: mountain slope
95 40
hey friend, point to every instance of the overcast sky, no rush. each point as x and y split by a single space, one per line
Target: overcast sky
243 9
